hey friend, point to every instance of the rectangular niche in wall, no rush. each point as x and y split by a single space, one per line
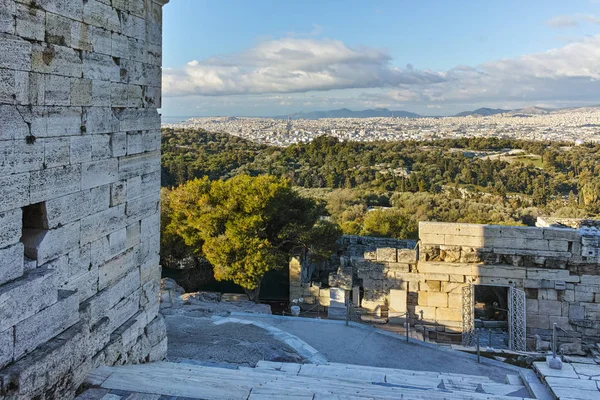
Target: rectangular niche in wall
35 227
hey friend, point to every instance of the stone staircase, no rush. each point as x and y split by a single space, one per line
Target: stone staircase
270 381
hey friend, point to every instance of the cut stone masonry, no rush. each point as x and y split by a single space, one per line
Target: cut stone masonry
80 84
558 268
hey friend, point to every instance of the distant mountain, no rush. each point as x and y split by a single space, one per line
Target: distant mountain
533 111
482 112
346 113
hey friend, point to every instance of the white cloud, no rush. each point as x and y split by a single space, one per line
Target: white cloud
280 72
291 65
571 21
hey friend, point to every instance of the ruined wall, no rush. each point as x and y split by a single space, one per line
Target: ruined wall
365 261
79 190
558 269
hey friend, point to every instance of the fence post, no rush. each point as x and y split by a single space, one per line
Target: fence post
554 340
478 331
407 329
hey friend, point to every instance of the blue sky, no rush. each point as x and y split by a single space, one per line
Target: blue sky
432 57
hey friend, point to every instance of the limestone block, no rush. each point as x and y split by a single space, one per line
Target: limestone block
81 92
448 287
450 253
151 142
117 242
99 120
134 27
158 351
6 347
119 45
101 91
58 29
95 226
454 300
56 60
156 330
569 295
11 223
135 142
96 307
548 294
7 18
457 278
448 314
445 268
63 121
138 119
69 208
56 152
153 97
101 67
14 86
118 193
12 125
16 53
101 15
80 149
430 285
45 245
115 268
551 274
532 306
549 307
54 182
486 280
142 207
11 262
101 40
24 297
118 144
337 298
138 164
500 271
98 173
584 296
588 279
469 241
46 324
431 238
538 321
436 277
425 313
435 299
123 310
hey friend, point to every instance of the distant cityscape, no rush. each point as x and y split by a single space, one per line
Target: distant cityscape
577 125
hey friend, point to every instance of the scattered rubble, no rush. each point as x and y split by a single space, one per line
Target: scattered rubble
174 300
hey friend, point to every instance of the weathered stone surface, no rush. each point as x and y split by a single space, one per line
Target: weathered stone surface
6 347
14 191
11 263
99 173
74 79
11 222
46 324
24 297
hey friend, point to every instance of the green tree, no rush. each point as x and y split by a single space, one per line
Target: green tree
246 226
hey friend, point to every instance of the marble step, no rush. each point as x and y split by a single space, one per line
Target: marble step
184 380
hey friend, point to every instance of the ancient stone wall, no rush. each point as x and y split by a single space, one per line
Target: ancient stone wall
79 190
559 270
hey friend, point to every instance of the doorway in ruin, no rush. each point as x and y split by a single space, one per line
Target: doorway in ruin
497 314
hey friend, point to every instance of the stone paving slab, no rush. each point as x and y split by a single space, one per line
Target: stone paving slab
575 381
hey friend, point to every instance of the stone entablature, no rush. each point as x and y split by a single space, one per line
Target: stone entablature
80 82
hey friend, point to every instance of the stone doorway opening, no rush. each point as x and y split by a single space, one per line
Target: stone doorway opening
491 313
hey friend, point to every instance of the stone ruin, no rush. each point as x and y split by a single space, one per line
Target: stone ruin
558 269
80 84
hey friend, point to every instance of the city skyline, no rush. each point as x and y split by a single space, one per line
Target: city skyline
434 59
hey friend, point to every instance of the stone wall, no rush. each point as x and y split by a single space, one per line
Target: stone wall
79 190
557 268
365 261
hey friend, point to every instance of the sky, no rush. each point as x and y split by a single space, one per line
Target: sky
432 57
